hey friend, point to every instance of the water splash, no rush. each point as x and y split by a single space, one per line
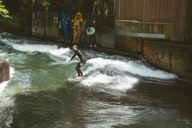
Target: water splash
130 66
111 72
4 84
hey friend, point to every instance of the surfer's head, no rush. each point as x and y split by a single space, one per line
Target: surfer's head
75 47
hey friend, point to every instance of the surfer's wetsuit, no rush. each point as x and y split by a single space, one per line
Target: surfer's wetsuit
82 62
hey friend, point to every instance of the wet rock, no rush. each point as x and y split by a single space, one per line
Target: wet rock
4 71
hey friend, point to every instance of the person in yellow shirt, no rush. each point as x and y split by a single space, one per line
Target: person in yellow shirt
78 19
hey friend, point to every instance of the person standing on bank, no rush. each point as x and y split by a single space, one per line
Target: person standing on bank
91 32
77 21
81 62
63 27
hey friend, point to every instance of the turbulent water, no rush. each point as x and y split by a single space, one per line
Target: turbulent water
119 92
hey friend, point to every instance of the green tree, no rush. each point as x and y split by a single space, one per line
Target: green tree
3 11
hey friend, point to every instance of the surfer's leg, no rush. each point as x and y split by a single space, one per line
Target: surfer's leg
81 74
78 69
82 64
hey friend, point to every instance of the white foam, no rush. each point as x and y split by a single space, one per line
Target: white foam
130 66
5 34
124 83
113 82
5 83
61 52
26 47
2 54
33 47
43 48
98 79
113 73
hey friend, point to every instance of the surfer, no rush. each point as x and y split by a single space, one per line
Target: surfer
82 60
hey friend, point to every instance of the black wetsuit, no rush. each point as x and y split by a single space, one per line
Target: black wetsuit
82 61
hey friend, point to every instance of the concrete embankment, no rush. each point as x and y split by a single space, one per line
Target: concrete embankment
171 56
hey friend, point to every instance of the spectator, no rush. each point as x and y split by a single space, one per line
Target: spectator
91 32
78 19
63 26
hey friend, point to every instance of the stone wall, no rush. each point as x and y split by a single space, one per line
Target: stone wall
172 57
130 44
45 24
4 71
167 55
106 40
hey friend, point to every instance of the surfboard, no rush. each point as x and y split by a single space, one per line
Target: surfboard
90 31
77 79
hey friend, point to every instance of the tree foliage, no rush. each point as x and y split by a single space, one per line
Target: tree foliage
3 11
103 7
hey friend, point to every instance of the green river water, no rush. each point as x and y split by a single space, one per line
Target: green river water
119 92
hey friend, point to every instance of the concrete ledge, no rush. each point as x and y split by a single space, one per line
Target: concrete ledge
142 35
152 30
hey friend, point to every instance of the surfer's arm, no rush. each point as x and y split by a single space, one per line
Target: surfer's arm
72 57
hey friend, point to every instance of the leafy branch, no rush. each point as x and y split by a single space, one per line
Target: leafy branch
3 11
